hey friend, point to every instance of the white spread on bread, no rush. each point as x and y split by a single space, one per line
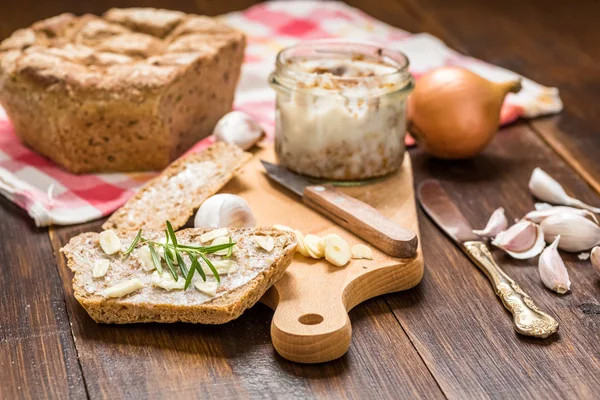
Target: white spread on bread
129 277
193 177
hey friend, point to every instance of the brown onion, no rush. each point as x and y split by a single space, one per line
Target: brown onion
454 113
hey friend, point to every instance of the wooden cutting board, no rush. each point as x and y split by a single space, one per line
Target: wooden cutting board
312 300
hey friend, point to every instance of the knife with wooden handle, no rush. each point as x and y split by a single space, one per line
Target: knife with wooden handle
528 319
354 215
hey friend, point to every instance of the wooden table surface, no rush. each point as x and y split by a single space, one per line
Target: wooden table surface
448 337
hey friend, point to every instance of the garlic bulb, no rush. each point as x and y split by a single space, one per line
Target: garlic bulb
577 233
546 188
552 269
538 216
595 259
521 241
224 210
238 128
495 225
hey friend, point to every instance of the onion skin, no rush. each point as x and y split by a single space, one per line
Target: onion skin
454 113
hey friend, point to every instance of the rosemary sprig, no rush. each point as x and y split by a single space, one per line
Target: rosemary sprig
211 266
174 251
136 240
155 258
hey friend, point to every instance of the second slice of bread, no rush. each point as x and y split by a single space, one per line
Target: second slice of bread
180 189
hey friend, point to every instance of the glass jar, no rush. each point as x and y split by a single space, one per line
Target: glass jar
340 109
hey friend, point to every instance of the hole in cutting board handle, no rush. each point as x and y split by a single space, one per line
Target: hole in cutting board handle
310 319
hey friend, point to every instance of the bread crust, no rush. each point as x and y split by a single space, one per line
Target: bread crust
217 311
128 91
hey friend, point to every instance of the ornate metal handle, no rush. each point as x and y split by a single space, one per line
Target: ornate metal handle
528 319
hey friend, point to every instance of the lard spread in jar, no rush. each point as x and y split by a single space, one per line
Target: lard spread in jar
340 109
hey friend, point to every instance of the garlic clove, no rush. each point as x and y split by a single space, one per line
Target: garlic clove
552 269
301 248
577 233
212 235
311 243
495 225
224 210
166 281
361 251
595 259
109 241
238 128
218 241
265 242
337 251
538 216
521 241
542 206
546 188
100 268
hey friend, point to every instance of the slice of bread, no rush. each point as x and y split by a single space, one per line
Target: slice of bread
255 270
180 189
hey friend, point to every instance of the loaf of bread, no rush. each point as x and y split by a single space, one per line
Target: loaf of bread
179 189
129 289
128 91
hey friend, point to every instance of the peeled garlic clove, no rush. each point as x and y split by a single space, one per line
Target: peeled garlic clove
577 233
109 241
361 251
224 210
538 216
552 269
521 241
238 128
495 225
595 259
542 206
337 250
546 188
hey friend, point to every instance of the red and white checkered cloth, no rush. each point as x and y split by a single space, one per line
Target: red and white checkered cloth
53 196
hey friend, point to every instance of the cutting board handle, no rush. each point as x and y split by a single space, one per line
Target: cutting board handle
309 329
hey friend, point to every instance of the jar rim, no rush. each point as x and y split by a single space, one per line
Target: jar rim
353 49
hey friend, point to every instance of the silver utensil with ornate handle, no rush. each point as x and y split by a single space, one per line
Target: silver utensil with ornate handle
528 319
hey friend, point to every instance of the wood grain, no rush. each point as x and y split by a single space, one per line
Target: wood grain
478 354
237 359
37 354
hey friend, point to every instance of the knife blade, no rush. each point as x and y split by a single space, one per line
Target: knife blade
528 319
354 215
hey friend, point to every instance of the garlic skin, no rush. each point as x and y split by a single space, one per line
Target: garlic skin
546 188
552 269
577 233
496 224
595 259
238 128
538 216
224 210
521 241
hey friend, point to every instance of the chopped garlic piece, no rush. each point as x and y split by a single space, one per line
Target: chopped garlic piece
311 242
209 288
167 282
361 251
212 235
266 242
223 267
337 251
143 254
100 268
301 248
109 241
124 288
218 241
283 228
